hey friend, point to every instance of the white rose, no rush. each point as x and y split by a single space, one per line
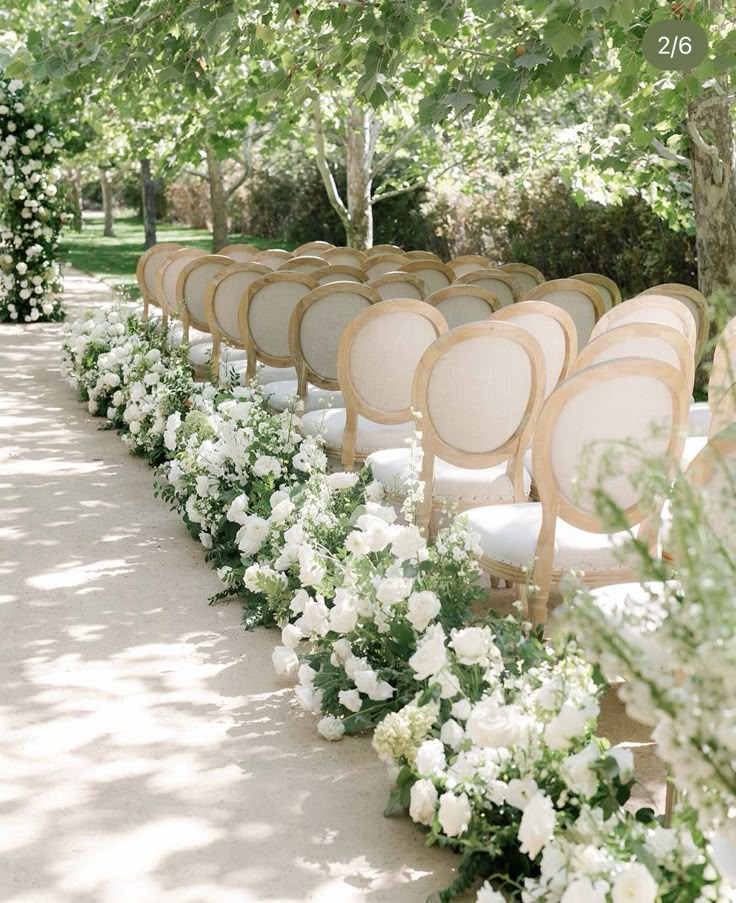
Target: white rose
376 532
423 608
290 635
351 699
285 661
311 571
251 535
265 465
431 654
624 758
537 825
487 894
356 544
494 725
408 543
342 480
423 802
309 699
298 603
577 773
430 758
367 681
634 885
236 513
462 709
206 540
343 617
471 644
282 511
582 890
306 675
570 722
314 619
393 589
454 814
452 734
331 728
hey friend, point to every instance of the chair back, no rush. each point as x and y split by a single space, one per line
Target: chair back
383 249
240 253
555 331
191 289
496 281
713 470
578 298
592 434
264 317
398 284
316 326
349 256
606 288
434 274
525 276
723 370
467 263
462 304
273 257
652 341
304 264
167 278
149 263
380 264
650 309
313 248
339 272
423 255
224 296
695 303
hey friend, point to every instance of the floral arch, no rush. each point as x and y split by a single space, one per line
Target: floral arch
31 208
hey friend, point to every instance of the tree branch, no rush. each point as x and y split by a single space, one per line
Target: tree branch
392 194
388 157
709 149
193 172
668 154
229 192
324 167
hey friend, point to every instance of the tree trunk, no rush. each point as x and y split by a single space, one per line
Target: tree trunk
148 193
218 200
714 194
360 144
77 201
107 203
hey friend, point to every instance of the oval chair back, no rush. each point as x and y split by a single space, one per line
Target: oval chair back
423 255
695 303
578 298
339 272
273 257
398 284
555 331
496 281
191 290
383 249
606 288
240 253
467 263
303 264
313 248
434 274
479 389
525 276
264 317
650 309
348 256
149 263
167 278
462 304
379 264
378 353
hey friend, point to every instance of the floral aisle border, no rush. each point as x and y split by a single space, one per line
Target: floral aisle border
31 210
488 731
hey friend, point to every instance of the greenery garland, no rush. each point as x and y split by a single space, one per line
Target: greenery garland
31 210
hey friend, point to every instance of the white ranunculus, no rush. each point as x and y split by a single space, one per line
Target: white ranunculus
290 635
331 728
351 699
634 885
407 543
423 608
342 480
452 734
454 814
471 645
423 802
430 759
431 654
537 825
285 661
577 773
583 890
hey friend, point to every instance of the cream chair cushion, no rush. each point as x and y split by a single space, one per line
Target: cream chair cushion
509 534
268 374
201 353
370 436
282 393
463 483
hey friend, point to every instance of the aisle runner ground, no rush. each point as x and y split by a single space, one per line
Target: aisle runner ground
149 751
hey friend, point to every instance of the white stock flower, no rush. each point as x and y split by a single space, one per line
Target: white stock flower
537 825
423 607
423 802
454 814
634 885
331 728
285 661
431 758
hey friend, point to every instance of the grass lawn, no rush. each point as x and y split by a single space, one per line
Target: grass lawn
114 259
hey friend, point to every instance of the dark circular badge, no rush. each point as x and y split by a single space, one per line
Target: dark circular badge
675 44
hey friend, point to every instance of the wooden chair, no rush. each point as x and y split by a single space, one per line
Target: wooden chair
167 277
555 331
341 272
222 305
263 320
696 304
479 390
378 353
496 281
303 264
650 309
594 414
149 263
525 277
191 292
380 264
273 257
383 249
398 284
315 328
720 384
606 288
240 253
423 255
578 298
313 248
462 304
468 263
435 275
349 256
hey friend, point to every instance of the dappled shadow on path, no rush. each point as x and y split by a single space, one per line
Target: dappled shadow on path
149 753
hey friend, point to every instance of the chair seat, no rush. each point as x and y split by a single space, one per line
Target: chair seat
268 374
370 436
281 396
201 354
509 534
698 419
176 334
451 482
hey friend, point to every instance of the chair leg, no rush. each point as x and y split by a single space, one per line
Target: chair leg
538 607
522 591
495 582
669 803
